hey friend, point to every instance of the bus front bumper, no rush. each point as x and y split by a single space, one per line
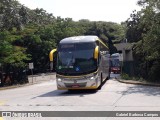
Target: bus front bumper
77 83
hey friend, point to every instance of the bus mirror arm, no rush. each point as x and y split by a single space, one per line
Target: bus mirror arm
51 58
96 52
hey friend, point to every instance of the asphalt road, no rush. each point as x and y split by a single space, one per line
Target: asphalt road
113 96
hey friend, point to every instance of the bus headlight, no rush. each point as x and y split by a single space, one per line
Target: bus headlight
92 78
59 79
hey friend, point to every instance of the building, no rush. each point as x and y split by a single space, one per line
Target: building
126 51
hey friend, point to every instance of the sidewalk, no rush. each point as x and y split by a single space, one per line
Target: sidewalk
41 77
138 82
118 78
34 80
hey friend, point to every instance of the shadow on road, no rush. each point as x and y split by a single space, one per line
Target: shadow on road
140 89
80 93
147 90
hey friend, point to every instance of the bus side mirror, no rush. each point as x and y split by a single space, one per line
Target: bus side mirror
51 58
96 52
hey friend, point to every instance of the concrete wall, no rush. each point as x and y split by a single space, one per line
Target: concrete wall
128 55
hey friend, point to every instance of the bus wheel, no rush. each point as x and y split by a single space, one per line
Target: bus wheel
71 90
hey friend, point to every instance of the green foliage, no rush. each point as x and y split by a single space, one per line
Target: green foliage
11 54
12 15
125 76
109 32
29 35
144 29
16 57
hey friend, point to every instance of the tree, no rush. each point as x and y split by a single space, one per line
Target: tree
108 32
144 29
11 56
12 15
29 35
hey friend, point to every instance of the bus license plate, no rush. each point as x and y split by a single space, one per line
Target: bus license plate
75 86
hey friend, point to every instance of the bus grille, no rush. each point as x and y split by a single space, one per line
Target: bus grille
79 84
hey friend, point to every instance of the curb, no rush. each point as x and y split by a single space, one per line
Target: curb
138 83
18 86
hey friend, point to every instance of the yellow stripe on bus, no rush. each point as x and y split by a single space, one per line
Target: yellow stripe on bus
103 43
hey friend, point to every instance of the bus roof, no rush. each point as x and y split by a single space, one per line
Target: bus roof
77 39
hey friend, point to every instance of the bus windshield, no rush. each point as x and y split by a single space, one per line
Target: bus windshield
115 63
76 58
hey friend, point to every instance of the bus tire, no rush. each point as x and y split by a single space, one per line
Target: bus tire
71 90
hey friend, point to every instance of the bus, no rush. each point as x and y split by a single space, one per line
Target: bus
82 62
115 63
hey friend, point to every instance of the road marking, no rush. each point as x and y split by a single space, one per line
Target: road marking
2 103
1 118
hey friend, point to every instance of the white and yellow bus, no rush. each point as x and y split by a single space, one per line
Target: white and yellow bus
82 62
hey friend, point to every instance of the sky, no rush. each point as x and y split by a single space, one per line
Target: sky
94 10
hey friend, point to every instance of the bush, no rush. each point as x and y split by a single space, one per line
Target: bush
125 76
